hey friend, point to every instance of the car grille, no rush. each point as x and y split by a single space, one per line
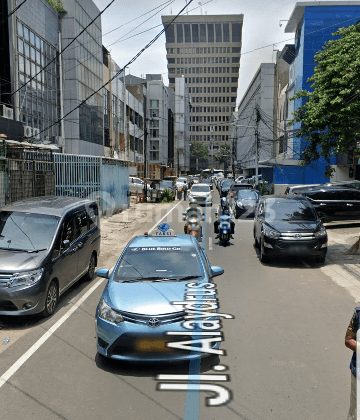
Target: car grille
144 319
199 199
4 278
295 247
294 236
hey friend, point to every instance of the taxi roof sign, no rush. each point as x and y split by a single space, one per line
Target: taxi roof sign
163 230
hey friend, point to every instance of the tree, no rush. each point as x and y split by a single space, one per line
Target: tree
330 114
224 154
198 151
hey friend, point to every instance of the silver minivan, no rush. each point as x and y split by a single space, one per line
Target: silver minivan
46 245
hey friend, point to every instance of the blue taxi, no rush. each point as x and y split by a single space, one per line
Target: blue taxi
159 301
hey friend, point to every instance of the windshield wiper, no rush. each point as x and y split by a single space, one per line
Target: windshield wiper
146 279
188 277
14 249
36 250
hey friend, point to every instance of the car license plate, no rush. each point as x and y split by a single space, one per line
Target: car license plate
152 345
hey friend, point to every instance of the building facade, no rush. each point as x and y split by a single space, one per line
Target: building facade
205 50
182 126
313 24
256 104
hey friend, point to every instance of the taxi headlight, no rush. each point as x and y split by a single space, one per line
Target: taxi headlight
108 314
321 233
27 278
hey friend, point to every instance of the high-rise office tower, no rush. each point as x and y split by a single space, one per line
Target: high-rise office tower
206 50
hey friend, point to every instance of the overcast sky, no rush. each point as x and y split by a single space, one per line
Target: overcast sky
260 28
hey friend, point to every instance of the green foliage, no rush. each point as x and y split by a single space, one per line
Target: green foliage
224 150
57 5
167 194
263 188
330 114
198 150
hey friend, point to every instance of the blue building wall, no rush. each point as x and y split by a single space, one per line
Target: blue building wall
316 27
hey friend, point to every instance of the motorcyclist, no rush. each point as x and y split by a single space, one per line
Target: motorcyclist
223 209
192 211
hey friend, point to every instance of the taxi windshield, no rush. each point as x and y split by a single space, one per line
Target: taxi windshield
159 263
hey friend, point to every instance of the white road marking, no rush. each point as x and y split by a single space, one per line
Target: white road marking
17 365
209 219
210 244
306 264
164 216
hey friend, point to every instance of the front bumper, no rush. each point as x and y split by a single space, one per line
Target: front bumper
14 299
140 343
316 247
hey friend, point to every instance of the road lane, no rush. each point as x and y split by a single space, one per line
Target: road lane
284 350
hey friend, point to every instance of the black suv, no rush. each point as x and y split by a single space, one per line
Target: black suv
288 225
335 203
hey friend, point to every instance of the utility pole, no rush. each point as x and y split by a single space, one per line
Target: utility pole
257 147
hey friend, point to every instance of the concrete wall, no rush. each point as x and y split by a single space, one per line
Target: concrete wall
114 186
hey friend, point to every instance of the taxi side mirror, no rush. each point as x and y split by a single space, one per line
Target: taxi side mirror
102 272
216 271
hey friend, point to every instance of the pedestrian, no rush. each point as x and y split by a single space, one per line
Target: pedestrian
185 189
350 342
179 192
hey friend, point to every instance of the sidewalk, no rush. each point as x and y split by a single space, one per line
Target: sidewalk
340 239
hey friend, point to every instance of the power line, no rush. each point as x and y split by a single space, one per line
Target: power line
59 53
121 70
12 12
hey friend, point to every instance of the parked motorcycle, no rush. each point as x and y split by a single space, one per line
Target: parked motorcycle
224 229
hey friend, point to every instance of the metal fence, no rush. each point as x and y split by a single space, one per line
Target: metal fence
25 173
100 178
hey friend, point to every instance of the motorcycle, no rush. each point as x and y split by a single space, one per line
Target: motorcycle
224 229
193 226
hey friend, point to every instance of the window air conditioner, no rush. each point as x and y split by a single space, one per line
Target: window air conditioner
36 132
7 112
27 131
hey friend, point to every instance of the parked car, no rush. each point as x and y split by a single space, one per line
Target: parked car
46 245
136 185
335 203
244 202
202 194
208 182
225 187
296 189
289 225
347 184
136 315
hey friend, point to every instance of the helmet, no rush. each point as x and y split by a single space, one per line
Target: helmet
223 202
192 202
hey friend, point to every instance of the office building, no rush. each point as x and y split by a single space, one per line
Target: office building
205 50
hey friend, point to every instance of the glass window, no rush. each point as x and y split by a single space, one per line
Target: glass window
26 34
32 53
21 64
37 42
179 32
218 32
27 50
20 29
202 32
235 59
210 27
32 38
236 31
195 32
235 50
21 46
226 32
187 32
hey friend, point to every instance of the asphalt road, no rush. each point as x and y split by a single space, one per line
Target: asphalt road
285 353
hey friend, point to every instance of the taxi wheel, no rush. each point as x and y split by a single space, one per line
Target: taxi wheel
51 300
320 259
91 270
